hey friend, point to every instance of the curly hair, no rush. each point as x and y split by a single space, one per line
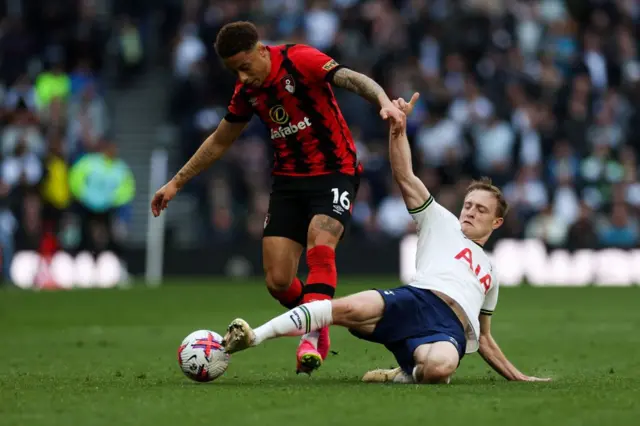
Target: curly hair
236 37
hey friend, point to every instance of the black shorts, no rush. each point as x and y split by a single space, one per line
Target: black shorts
296 200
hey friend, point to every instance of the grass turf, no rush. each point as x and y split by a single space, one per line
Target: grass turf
108 357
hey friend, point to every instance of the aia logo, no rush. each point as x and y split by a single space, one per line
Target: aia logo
466 255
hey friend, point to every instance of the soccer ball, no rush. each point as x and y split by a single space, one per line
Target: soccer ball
201 356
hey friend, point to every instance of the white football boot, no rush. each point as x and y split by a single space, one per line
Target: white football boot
395 375
239 336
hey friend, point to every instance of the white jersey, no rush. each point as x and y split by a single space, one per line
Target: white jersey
450 263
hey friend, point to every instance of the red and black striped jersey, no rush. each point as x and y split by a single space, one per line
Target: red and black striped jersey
309 134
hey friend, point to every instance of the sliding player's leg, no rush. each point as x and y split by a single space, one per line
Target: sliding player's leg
432 363
435 362
359 312
424 334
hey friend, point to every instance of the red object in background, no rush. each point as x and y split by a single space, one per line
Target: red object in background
48 247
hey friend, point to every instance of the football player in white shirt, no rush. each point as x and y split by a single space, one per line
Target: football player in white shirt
442 314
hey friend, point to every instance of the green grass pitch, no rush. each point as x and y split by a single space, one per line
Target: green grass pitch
108 357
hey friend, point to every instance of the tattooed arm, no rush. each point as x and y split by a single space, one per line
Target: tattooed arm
211 150
361 85
364 86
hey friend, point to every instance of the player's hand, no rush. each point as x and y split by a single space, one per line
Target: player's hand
163 196
407 107
392 112
398 126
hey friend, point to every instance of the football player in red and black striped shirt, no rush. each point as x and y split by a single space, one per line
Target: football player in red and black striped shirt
315 174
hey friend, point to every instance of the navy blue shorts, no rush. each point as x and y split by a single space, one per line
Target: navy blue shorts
413 317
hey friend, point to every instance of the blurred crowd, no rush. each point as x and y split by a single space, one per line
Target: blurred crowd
62 185
539 95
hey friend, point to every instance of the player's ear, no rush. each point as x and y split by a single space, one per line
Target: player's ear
262 49
497 222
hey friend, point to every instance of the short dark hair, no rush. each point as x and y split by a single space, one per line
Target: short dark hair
236 37
485 184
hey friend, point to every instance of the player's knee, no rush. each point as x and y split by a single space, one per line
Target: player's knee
435 370
277 279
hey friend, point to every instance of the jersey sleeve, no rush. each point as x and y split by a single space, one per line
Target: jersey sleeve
432 215
313 64
490 300
239 110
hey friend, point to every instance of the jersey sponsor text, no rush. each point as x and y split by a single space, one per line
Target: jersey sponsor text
291 129
467 255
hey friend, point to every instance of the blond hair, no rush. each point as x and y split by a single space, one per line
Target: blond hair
485 184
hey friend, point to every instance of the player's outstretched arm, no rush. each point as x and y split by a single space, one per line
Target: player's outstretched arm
414 192
492 354
211 150
366 87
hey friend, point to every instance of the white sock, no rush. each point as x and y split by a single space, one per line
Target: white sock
300 320
413 374
403 377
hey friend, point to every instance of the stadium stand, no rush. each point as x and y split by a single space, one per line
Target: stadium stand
540 96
